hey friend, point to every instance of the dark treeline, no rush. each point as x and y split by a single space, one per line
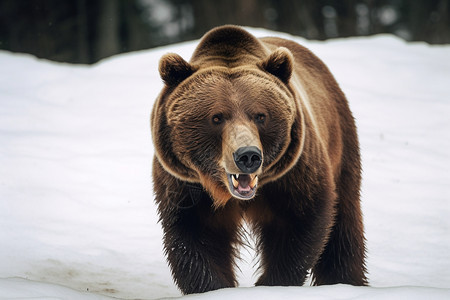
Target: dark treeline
85 31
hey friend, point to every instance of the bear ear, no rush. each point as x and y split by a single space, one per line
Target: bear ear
279 63
173 69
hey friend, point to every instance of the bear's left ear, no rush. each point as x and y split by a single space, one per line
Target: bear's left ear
173 69
279 63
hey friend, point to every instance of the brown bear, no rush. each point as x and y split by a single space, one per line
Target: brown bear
258 131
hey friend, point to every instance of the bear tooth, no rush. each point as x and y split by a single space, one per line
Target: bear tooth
237 176
254 182
235 182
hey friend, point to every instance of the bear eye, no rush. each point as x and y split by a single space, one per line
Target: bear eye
260 118
217 119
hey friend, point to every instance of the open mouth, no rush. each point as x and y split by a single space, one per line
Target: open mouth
243 186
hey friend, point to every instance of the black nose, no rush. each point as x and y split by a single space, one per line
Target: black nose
248 159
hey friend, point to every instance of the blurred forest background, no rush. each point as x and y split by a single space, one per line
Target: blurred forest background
85 31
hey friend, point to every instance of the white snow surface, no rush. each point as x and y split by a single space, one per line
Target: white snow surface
77 217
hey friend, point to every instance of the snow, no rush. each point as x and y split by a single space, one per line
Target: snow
77 218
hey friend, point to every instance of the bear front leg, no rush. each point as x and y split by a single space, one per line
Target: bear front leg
290 239
343 260
200 253
287 253
199 241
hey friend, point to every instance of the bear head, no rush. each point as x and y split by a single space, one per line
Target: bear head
227 119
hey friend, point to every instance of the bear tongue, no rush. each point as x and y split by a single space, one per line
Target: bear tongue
244 181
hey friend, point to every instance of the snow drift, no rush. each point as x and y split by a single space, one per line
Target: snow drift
77 218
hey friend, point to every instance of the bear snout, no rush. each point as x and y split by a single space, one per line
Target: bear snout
248 159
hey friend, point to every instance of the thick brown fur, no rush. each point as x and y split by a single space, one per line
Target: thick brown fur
275 95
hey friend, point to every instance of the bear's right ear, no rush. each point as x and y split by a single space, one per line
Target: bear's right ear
173 69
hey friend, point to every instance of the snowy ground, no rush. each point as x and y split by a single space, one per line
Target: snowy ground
77 219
